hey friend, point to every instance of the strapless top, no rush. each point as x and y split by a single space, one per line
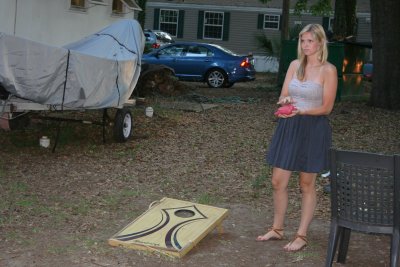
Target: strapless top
306 95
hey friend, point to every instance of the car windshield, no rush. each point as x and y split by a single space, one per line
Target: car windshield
225 50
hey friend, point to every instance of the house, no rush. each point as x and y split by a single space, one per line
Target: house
58 22
235 23
231 23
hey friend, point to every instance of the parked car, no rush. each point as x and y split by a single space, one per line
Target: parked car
210 63
156 38
164 37
151 39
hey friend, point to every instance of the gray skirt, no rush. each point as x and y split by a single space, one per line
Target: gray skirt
301 143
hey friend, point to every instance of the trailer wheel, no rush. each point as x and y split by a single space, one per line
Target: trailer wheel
122 125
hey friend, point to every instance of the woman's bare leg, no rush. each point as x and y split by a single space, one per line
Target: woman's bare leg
280 180
308 204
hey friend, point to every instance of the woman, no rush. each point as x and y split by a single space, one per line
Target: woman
302 138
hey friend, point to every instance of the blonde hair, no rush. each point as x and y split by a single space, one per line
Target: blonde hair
319 35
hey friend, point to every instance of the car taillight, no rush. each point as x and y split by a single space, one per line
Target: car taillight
156 45
245 63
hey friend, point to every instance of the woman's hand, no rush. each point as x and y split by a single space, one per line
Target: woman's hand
284 100
294 113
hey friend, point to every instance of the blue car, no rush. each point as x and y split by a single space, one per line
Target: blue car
210 63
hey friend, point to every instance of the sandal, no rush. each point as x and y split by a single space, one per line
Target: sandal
272 238
302 237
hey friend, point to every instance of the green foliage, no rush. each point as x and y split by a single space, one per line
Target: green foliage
270 47
300 7
320 8
147 48
142 14
294 31
264 43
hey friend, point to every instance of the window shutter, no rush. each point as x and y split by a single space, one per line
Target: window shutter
200 21
260 22
181 19
156 24
325 23
280 22
227 17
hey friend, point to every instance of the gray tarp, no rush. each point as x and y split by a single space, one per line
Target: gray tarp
103 68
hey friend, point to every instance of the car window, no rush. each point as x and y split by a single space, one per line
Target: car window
226 50
174 50
198 51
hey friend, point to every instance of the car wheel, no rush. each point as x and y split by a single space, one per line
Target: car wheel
216 78
122 125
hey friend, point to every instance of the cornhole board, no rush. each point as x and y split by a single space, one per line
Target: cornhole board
171 227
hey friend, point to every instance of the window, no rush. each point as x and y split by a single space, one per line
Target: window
169 21
78 3
271 21
175 50
98 2
117 7
330 26
213 25
198 51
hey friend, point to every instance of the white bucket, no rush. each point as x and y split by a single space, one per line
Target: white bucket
44 142
149 112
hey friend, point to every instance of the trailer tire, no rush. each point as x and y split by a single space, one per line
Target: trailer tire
122 125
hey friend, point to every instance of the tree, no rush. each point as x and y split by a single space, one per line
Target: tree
142 14
385 22
345 20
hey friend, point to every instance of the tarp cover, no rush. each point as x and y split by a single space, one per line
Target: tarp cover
98 71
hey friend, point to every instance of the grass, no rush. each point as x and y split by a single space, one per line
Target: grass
301 255
127 153
261 182
207 199
60 250
16 198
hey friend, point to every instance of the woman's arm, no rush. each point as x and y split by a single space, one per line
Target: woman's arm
330 83
289 76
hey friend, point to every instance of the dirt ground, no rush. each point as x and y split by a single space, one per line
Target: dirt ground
59 209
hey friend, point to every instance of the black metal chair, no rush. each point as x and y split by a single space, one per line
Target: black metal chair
365 197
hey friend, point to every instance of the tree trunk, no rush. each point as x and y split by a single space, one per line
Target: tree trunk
345 22
142 14
385 22
351 15
285 20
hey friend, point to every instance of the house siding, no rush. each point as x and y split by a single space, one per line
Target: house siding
240 41
364 33
53 21
243 21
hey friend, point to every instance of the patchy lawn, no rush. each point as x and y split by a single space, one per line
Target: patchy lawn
59 209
